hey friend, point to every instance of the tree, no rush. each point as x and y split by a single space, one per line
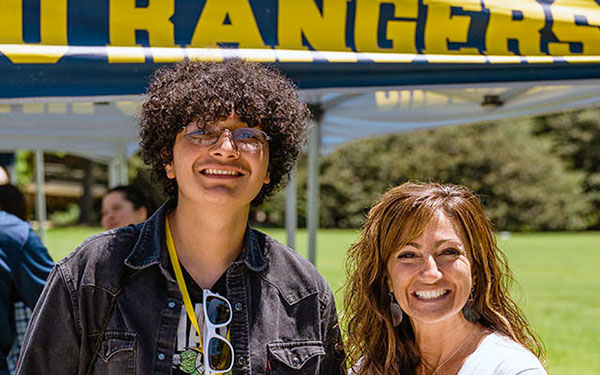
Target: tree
576 138
522 185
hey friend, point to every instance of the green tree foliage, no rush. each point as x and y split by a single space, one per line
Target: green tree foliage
523 186
576 139
24 167
272 211
140 177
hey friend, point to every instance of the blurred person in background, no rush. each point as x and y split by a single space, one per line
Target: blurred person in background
124 205
427 291
4 178
24 267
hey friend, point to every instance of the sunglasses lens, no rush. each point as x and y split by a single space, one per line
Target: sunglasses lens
218 310
219 354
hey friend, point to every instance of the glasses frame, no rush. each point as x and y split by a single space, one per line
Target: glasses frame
210 332
230 132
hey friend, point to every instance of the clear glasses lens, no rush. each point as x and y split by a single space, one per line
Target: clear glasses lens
220 356
249 139
218 310
245 139
202 138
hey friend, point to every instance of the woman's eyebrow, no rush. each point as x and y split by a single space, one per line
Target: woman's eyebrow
454 240
437 243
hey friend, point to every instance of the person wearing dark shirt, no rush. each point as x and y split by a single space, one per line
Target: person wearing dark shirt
24 266
194 289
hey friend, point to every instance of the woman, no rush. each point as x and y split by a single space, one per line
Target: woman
427 290
124 205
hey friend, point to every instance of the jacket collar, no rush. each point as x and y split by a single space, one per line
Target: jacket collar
150 248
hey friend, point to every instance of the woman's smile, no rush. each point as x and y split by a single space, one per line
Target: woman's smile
431 295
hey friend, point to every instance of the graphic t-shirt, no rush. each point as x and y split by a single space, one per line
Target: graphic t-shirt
188 358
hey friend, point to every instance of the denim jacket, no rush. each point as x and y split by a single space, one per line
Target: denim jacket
113 307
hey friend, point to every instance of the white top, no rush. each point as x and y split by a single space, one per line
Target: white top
500 355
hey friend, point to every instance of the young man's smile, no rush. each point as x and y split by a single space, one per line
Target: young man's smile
221 172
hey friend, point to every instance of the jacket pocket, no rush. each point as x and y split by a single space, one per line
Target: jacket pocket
117 353
295 357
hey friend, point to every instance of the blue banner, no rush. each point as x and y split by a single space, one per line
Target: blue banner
110 47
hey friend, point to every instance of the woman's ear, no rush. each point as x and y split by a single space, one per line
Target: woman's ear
473 282
388 282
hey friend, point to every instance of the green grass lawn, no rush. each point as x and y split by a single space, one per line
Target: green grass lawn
558 285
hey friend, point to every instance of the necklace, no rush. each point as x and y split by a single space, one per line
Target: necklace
455 351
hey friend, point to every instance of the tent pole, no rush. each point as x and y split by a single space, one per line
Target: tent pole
313 189
123 172
123 167
291 210
40 201
118 173
112 174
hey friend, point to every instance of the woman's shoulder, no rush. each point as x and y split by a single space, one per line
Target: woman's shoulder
500 355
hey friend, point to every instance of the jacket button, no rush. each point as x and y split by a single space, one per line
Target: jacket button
238 307
295 361
160 356
242 361
171 304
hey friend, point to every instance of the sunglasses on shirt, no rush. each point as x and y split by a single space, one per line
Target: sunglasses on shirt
218 352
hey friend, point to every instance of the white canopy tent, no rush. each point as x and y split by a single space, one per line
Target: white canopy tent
104 131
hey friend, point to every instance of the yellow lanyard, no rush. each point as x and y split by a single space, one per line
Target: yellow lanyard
181 282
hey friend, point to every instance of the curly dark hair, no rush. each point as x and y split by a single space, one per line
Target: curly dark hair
209 92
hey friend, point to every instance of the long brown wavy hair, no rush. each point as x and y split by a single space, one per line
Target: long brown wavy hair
399 216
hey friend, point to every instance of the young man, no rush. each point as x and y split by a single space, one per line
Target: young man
195 278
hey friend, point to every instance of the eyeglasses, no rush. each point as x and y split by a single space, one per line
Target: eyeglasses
244 139
218 352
